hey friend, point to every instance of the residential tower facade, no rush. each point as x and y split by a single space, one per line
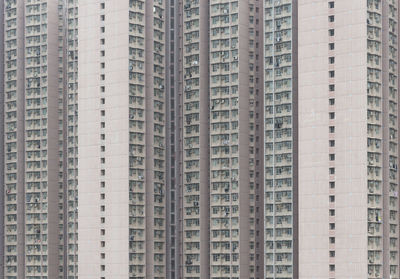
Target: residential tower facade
199 139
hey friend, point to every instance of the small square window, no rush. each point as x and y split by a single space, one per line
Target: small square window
331 32
331 254
331 74
331 18
331 60
102 220
332 185
331 4
331 46
332 226
331 267
102 17
332 212
332 157
331 129
331 115
331 198
102 112
332 143
102 196
332 240
331 87
331 101
102 6
331 170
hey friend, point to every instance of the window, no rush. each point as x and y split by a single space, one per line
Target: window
331 254
102 196
331 170
331 4
331 198
331 46
331 240
331 32
331 129
332 226
331 87
331 18
332 143
332 184
331 60
103 112
331 157
102 17
102 6
331 115
331 74
331 102
102 29
331 267
332 212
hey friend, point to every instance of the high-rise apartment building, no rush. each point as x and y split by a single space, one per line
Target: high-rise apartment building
348 139
31 135
199 139
280 131
122 161
232 82
195 138
173 139
70 137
